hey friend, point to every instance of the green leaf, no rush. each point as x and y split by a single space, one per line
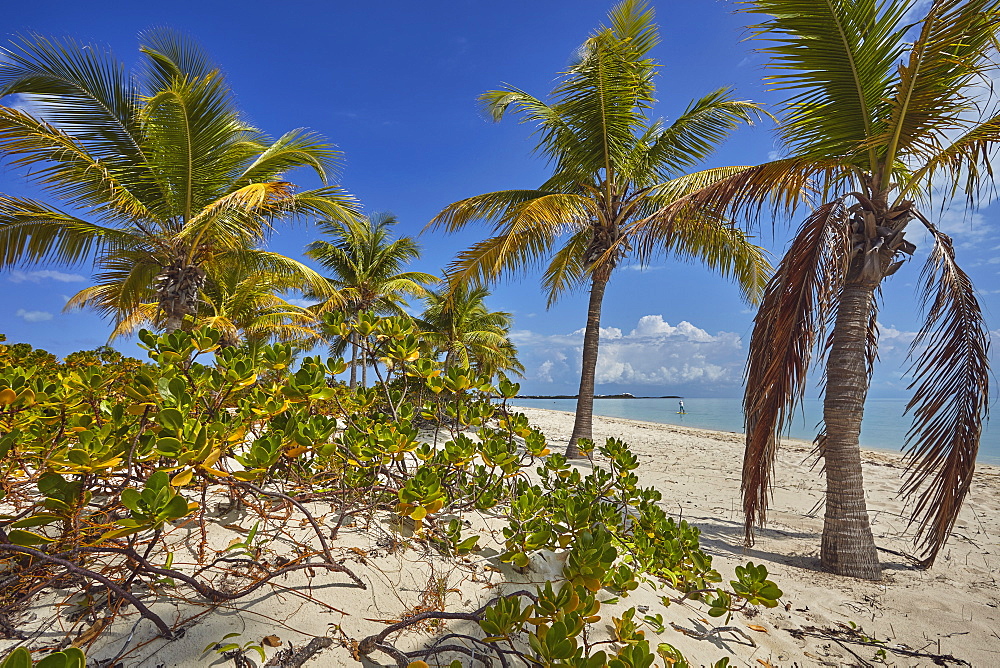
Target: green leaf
19 658
35 521
170 418
27 538
56 660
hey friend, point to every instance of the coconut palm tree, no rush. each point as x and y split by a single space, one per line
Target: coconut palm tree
881 113
244 308
620 183
458 324
367 274
163 178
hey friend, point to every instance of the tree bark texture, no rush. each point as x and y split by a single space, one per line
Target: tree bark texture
354 360
177 288
583 424
848 545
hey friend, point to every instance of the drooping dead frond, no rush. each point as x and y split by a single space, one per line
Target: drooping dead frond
950 398
797 305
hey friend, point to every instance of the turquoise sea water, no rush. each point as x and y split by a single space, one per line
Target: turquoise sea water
884 426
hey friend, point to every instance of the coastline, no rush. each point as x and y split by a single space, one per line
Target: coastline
895 457
953 608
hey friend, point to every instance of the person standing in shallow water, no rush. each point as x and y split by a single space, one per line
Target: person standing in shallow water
680 408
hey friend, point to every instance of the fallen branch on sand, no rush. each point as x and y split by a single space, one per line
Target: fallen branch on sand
938 659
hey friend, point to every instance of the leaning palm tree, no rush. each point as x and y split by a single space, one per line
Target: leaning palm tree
620 182
458 324
367 274
164 179
880 120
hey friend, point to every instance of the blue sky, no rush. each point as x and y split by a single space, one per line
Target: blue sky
395 87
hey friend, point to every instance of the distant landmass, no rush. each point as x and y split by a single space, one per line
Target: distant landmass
624 395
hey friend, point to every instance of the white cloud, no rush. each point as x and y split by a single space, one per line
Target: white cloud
33 316
679 358
304 303
18 276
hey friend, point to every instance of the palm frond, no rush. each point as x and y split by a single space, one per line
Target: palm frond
567 270
294 149
196 141
31 231
838 61
798 303
59 163
932 98
694 135
81 90
172 55
487 260
489 207
965 163
950 398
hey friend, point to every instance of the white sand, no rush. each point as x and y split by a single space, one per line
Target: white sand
951 609
954 608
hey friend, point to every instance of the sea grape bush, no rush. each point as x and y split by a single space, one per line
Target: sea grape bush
102 456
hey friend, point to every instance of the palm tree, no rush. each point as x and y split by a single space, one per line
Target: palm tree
244 308
879 118
169 180
619 183
367 265
457 323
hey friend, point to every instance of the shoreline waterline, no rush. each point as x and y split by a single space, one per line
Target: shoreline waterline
989 453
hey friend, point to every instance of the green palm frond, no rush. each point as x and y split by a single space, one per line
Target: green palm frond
965 164
568 269
932 99
171 55
840 85
694 135
294 149
64 167
490 208
196 141
33 232
82 90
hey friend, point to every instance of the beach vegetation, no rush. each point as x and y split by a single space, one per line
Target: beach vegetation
885 112
105 465
71 657
622 186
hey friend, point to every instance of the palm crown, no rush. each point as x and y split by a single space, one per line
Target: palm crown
620 182
458 323
164 178
368 271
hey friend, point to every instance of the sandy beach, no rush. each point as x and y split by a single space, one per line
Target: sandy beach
954 608
823 620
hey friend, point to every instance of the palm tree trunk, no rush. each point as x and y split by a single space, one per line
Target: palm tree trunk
173 321
354 360
848 546
177 293
583 425
364 367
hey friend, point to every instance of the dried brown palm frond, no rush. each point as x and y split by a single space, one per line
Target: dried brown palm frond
798 303
950 398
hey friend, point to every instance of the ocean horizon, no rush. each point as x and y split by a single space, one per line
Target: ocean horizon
883 427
